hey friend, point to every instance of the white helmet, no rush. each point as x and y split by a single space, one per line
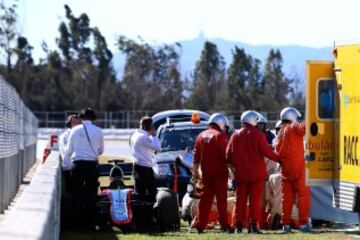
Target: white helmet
219 119
263 119
290 114
251 117
228 123
278 124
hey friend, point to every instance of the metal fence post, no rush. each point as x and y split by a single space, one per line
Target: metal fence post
127 119
111 120
47 119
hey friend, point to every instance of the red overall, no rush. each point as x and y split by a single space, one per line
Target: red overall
290 147
209 152
246 151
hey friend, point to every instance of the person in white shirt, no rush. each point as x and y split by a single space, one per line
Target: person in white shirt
143 144
66 163
86 143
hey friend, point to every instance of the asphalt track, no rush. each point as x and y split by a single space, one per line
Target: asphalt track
113 148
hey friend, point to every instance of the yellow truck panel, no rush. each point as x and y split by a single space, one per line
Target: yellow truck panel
320 112
333 125
347 170
347 66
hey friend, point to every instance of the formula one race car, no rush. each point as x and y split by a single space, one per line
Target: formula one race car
119 205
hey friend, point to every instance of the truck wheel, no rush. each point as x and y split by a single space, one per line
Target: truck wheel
166 210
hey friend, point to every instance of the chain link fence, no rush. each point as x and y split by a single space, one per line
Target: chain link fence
105 119
18 136
125 119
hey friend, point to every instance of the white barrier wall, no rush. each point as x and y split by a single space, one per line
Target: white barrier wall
36 214
109 133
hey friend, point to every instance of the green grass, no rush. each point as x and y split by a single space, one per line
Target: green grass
327 234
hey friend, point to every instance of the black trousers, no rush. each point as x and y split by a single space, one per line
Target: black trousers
68 185
85 188
67 210
145 183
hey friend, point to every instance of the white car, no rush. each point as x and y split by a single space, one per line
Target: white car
177 131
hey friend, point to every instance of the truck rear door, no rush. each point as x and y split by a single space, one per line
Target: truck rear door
320 119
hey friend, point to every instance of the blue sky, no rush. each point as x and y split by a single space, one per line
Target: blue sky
278 22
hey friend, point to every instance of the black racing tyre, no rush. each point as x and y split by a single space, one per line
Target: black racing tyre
166 210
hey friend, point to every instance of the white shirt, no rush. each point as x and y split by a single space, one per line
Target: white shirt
79 147
63 140
143 146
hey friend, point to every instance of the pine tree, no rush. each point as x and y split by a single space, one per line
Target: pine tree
23 68
151 77
254 88
137 72
167 77
84 75
208 89
8 32
173 96
244 81
238 74
297 96
105 82
275 85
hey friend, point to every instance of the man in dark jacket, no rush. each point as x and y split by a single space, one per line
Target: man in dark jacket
262 126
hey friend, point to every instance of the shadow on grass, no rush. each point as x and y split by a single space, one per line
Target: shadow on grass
353 233
87 235
185 233
114 233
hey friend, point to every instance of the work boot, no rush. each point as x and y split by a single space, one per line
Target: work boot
276 222
304 229
286 229
238 228
254 229
227 229
200 230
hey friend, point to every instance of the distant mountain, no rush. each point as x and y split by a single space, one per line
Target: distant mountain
294 57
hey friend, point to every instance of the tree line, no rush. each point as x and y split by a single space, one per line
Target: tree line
80 72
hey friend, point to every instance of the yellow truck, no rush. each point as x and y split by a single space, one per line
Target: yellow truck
332 139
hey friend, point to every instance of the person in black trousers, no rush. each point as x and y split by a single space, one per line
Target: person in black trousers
86 143
143 144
